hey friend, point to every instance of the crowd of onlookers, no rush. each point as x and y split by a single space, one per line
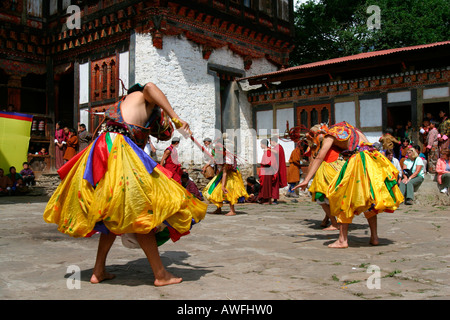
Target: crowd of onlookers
15 182
417 151
69 142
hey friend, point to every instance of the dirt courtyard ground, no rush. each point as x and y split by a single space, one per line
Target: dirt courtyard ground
276 252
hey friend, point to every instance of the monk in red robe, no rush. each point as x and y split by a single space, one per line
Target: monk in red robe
281 175
267 174
170 161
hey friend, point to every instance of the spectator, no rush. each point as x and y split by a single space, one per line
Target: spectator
424 133
269 168
27 174
84 137
443 171
387 140
281 174
444 131
395 162
423 156
150 148
72 145
413 175
5 183
16 179
190 185
294 170
405 146
60 142
43 152
429 116
253 188
409 130
170 160
399 132
432 147
208 169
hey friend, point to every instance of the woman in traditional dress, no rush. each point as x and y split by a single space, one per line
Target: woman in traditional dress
60 145
115 188
367 182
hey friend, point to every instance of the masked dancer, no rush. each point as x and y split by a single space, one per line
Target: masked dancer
115 188
367 182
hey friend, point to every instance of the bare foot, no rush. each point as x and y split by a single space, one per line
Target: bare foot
338 244
330 228
166 279
374 241
97 278
217 211
324 222
231 213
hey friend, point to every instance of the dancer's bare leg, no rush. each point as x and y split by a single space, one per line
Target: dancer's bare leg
373 230
232 212
99 273
324 222
342 241
150 247
334 224
217 211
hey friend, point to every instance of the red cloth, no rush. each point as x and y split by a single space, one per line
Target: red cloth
268 176
282 170
332 154
172 164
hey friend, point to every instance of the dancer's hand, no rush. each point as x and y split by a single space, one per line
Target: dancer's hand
182 126
225 191
302 185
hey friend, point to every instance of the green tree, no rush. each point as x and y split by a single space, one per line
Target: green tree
327 29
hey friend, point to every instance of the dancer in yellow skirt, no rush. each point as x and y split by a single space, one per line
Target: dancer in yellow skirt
115 188
227 185
365 183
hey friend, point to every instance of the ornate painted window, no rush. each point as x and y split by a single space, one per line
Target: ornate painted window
104 81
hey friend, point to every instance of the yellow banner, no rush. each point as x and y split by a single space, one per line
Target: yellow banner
14 139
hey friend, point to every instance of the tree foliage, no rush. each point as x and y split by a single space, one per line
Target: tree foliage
326 29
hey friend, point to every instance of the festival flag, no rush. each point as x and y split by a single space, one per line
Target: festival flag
14 139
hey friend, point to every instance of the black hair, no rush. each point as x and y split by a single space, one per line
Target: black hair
136 87
185 175
251 179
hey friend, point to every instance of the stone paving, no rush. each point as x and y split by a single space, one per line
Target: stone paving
276 252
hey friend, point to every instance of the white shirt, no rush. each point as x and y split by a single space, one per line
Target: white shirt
418 162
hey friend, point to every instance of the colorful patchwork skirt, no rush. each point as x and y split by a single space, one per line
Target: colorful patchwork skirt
326 172
367 182
234 185
114 186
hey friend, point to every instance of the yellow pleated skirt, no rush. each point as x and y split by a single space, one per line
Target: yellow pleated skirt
234 185
326 172
366 182
133 195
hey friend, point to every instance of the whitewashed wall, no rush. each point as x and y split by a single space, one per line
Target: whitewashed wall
180 71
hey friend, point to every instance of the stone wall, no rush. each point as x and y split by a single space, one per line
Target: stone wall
181 72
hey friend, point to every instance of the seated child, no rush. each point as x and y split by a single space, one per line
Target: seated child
27 174
253 188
